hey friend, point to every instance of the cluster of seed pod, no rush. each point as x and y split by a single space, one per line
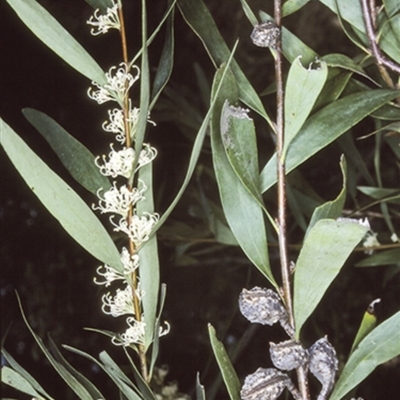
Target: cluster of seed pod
263 306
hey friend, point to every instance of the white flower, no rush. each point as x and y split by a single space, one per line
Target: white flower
133 335
117 123
370 240
147 155
162 331
139 229
103 23
119 200
130 263
120 162
117 86
122 302
110 275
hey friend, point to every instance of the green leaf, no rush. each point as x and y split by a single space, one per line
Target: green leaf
118 376
249 13
381 345
101 4
292 46
303 86
386 257
149 267
323 127
331 209
291 6
368 323
166 63
85 382
243 213
113 371
324 252
14 379
379 193
200 20
53 35
25 374
75 157
197 146
200 392
60 200
228 373
392 7
64 372
351 12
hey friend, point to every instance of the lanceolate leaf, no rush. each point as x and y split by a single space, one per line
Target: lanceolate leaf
227 371
381 345
149 263
243 213
17 381
200 20
325 126
324 252
61 201
303 86
331 209
78 160
53 35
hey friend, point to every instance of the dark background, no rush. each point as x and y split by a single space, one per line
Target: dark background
53 276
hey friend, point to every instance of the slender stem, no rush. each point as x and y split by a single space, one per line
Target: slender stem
368 10
132 249
280 128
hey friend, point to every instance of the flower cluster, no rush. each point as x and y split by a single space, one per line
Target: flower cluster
121 164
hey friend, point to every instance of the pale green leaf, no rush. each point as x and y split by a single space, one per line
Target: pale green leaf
249 13
331 209
24 373
53 35
323 127
243 213
227 371
325 250
75 157
17 381
60 200
291 6
149 267
165 65
200 392
386 257
392 7
303 86
200 20
381 345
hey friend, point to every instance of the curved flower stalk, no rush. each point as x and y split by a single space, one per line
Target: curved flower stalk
121 199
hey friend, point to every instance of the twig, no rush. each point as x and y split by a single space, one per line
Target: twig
285 269
368 10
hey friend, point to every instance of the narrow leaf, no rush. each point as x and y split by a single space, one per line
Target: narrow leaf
381 345
331 209
200 392
291 6
53 35
324 252
387 257
75 157
14 379
60 200
227 371
200 20
243 213
368 323
166 63
325 126
303 86
149 267
24 373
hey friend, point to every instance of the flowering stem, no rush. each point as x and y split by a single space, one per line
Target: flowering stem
285 270
132 249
